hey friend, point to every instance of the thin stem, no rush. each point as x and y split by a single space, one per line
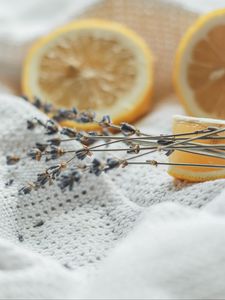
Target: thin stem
155 163
144 137
203 153
179 142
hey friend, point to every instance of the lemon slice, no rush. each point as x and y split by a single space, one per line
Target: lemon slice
182 125
199 70
92 64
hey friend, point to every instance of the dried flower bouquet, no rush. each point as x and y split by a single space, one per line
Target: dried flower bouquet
137 145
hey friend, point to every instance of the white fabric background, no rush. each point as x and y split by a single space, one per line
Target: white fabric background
141 235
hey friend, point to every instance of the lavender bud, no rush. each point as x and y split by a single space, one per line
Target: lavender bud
164 142
35 153
12 159
86 117
169 152
25 190
31 124
105 121
96 167
112 163
79 136
37 103
69 132
43 178
54 141
51 127
82 154
55 171
68 179
47 108
41 146
55 152
67 114
134 149
75 111
127 129
88 139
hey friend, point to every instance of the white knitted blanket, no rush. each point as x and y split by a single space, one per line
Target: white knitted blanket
133 233
148 236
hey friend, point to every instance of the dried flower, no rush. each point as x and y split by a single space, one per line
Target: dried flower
12 159
57 169
27 189
86 117
88 140
162 141
67 114
47 108
55 152
167 144
37 103
152 162
169 152
43 178
105 121
134 148
83 153
41 146
31 124
54 141
79 137
112 163
69 178
69 132
97 167
51 127
127 129
35 154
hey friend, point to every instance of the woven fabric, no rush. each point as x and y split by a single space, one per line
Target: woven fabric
132 233
161 24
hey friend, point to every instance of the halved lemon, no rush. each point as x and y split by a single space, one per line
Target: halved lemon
93 65
182 124
199 70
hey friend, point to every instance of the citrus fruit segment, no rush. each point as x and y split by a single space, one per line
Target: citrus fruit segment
182 125
199 70
94 65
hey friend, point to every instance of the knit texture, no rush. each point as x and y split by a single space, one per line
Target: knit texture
131 233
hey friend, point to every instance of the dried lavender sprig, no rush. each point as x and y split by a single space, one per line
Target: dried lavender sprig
162 143
179 143
214 131
88 116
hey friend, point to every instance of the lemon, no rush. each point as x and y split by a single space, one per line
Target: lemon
199 70
182 124
93 65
